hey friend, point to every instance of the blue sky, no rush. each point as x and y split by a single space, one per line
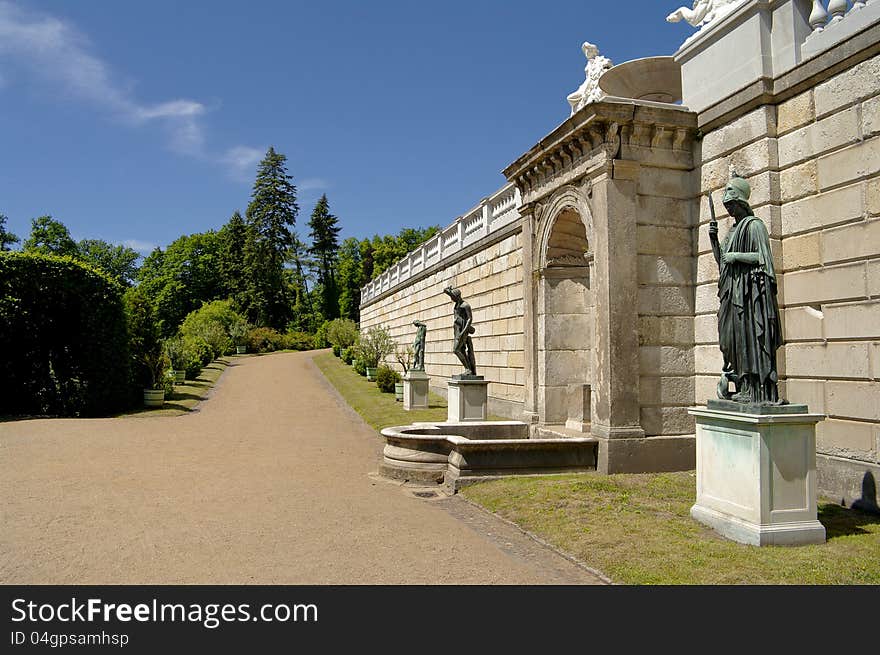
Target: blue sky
137 122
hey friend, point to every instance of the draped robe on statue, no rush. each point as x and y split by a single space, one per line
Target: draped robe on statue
748 315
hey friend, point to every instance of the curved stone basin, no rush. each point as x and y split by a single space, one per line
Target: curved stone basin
461 453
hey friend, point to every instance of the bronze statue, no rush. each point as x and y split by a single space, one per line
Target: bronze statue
463 328
419 347
749 330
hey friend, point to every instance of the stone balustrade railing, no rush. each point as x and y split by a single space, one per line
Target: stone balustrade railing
832 21
836 11
492 214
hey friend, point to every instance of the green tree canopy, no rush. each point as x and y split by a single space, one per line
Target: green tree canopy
351 278
179 279
49 237
119 261
7 238
231 266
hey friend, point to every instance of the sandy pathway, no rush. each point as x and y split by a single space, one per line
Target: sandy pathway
268 482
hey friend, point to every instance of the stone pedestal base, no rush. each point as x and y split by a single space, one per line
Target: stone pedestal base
415 390
467 400
756 474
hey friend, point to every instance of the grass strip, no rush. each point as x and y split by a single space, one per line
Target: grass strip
186 396
380 410
637 529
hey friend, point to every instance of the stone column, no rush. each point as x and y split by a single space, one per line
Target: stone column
615 388
530 298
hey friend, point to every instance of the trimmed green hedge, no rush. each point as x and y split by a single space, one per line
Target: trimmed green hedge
63 338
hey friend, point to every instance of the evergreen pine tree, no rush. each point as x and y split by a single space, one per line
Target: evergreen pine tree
350 279
233 237
270 216
325 247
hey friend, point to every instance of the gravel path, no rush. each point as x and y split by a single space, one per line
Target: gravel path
268 482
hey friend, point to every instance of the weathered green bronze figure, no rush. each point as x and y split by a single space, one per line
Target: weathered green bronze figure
419 347
749 331
463 328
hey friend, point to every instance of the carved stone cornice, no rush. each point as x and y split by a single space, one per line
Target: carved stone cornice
586 144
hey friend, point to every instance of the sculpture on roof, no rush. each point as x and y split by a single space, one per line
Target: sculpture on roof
703 12
589 90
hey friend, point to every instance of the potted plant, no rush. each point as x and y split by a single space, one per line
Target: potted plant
373 347
175 350
238 331
157 363
387 379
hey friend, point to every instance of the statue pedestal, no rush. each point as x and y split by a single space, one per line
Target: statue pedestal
756 473
467 399
415 390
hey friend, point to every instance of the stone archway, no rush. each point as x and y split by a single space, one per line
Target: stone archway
565 318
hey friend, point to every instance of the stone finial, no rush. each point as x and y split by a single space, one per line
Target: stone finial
704 12
589 91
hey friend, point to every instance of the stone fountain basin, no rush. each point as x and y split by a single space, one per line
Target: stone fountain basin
457 454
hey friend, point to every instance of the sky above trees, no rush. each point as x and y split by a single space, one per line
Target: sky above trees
137 122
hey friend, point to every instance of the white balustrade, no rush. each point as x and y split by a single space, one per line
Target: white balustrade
834 21
818 17
837 10
492 214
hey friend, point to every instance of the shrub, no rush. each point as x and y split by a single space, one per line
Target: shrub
342 332
346 355
297 341
199 350
143 336
321 335
264 340
360 366
215 322
192 366
176 351
63 324
238 330
337 351
374 346
386 378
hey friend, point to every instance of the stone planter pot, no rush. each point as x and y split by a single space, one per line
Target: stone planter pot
179 377
371 374
154 397
240 350
398 391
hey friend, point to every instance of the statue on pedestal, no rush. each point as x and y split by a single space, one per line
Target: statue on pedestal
419 347
749 329
463 328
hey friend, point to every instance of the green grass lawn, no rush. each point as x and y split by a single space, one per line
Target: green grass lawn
186 396
378 409
637 529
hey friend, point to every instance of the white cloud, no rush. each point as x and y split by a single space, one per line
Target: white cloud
58 53
242 161
143 247
311 184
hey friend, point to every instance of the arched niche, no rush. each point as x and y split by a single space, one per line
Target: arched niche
565 313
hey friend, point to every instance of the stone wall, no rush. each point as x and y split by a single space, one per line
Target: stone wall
813 161
489 275
664 226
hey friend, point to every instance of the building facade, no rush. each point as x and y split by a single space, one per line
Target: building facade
591 275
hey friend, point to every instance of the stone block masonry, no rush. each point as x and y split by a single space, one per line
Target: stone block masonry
822 207
490 279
